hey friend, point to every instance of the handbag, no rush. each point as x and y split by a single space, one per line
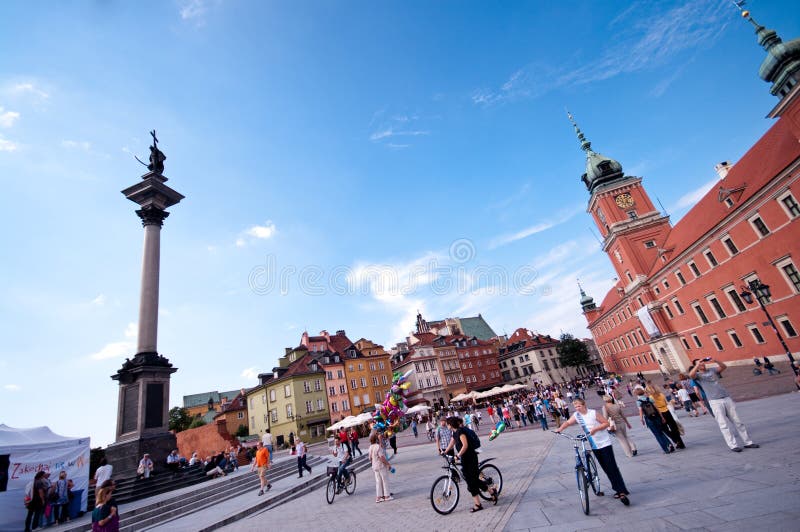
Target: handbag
612 427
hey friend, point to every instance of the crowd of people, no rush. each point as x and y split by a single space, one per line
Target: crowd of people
454 430
47 501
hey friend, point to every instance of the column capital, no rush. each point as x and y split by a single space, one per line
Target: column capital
152 216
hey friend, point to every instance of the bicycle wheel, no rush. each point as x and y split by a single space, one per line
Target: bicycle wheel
351 488
591 470
444 495
330 491
583 488
491 475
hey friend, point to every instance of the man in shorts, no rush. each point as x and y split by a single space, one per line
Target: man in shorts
262 462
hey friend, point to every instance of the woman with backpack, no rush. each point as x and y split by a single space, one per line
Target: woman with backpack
466 442
652 418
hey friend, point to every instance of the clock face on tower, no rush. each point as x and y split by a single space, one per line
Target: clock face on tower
624 200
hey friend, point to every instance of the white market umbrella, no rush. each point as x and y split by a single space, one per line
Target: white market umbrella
418 408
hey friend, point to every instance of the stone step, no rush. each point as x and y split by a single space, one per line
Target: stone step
319 480
247 483
163 507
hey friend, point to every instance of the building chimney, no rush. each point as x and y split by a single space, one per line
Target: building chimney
340 333
722 169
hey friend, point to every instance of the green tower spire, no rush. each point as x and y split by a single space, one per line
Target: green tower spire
781 67
599 168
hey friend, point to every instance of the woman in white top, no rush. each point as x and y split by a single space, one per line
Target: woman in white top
594 425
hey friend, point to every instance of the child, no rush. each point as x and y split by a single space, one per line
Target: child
683 395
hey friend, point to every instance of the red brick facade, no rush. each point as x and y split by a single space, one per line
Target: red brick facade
689 276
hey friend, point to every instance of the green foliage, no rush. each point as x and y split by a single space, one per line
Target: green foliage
197 422
179 419
572 352
242 431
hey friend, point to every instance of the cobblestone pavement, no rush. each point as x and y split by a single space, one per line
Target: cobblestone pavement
705 487
518 455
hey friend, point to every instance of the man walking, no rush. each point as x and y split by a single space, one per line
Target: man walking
266 439
262 462
301 457
722 405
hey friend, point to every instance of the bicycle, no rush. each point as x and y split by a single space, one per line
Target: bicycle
445 490
585 470
336 485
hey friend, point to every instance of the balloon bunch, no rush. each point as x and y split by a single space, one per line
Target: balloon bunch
389 417
500 427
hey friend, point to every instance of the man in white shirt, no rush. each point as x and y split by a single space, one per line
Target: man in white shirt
103 472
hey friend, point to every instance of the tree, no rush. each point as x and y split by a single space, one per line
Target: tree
179 419
572 352
242 431
197 422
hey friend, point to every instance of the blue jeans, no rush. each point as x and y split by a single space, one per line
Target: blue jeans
657 428
543 421
342 472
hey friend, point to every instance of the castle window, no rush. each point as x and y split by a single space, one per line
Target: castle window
680 277
735 338
650 244
712 260
759 225
632 215
790 205
732 249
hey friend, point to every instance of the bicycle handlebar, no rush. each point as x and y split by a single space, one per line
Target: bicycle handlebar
579 437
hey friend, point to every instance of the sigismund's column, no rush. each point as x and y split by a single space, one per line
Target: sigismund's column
143 406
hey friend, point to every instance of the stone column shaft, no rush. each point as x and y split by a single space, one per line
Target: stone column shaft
148 302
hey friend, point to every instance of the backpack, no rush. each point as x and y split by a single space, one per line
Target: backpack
472 439
648 408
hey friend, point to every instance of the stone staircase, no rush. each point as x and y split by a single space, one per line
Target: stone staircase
170 499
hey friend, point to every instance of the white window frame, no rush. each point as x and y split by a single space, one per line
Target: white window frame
756 230
696 274
716 312
782 197
710 258
781 264
733 335
724 240
780 321
752 328
717 342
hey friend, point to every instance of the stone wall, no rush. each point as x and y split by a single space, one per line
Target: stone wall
206 440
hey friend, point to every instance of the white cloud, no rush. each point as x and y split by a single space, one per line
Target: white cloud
99 300
29 88
262 231
118 349
7 118
250 373
12 387
77 144
692 197
650 42
532 230
7 145
256 232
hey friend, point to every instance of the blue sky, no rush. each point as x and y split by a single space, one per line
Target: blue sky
380 157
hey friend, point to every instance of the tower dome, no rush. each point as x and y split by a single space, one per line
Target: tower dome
781 67
599 168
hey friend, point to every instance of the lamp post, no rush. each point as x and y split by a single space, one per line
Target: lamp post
762 293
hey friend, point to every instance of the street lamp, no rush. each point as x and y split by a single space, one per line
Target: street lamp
762 294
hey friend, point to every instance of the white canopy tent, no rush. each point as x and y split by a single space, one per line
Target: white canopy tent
23 453
418 409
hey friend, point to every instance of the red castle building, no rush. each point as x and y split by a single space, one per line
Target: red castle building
698 288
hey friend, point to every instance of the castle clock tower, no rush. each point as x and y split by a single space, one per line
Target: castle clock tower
633 230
